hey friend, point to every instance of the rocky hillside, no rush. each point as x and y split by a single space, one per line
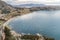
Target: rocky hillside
7 11
4 7
2 4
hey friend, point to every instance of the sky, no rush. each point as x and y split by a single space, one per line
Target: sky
37 1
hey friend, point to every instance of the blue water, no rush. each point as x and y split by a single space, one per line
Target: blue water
43 22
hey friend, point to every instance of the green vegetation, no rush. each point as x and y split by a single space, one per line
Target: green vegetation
48 38
5 11
1 22
8 35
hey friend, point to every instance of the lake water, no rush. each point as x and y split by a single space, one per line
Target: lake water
43 22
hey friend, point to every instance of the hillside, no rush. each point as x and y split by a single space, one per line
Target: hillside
4 7
8 11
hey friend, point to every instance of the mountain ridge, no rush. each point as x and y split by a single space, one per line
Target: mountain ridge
29 5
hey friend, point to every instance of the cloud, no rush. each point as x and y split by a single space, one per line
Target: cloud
37 1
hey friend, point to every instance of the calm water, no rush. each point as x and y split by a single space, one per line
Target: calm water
43 22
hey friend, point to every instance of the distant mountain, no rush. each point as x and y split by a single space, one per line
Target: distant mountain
29 5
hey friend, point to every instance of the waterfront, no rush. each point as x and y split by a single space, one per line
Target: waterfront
43 22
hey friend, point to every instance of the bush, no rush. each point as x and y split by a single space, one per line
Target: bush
8 35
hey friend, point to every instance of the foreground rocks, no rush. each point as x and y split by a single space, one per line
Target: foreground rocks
24 36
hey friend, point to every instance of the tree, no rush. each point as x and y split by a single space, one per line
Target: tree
7 33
